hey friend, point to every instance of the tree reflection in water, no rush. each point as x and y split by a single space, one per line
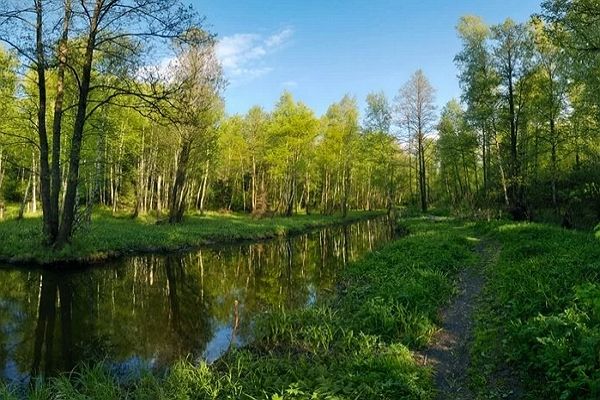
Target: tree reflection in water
147 312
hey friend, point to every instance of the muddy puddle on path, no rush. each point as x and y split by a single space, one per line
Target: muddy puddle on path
147 312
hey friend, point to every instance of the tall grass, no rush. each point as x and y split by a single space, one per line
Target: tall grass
357 345
541 313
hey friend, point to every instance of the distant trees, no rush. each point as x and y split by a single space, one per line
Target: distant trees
457 151
118 103
8 89
381 147
549 98
289 160
573 51
511 54
575 24
341 129
479 83
170 148
529 90
197 108
292 130
416 114
254 134
108 120
379 113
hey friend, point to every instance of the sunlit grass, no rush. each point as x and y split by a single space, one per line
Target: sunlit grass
541 314
109 236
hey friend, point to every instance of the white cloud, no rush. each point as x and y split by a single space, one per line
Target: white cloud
290 84
279 38
251 73
243 55
161 71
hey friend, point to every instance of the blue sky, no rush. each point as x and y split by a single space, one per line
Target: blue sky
321 50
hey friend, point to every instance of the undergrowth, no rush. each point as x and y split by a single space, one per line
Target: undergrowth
541 314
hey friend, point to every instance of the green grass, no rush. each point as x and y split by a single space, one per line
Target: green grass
358 344
108 236
540 315
538 321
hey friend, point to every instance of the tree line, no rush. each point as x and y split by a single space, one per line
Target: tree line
525 135
89 118
75 62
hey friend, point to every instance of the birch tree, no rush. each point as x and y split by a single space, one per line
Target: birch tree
415 107
127 35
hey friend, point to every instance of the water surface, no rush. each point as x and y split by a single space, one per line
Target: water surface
147 312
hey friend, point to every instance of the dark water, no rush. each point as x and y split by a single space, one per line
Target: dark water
147 312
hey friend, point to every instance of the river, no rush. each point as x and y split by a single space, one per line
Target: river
146 312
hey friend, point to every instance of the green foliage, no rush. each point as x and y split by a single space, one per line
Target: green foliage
378 116
456 149
541 312
404 304
565 346
530 91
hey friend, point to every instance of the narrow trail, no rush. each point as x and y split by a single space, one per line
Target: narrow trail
448 353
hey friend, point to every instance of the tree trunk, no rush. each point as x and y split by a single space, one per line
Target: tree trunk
34 185
178 195
554 159
56 178
422 176
514 182
484 160
308 198
204 183
502 175
98 170
69 207
346 192
368 199
50 226
159 195
390 190
25 198
291 198
253 183
1 172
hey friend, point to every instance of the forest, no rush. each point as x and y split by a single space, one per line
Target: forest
117 132
115 140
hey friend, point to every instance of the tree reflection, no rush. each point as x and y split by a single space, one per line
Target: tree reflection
54 292
147 312
44 332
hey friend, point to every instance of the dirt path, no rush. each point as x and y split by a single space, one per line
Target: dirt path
449 351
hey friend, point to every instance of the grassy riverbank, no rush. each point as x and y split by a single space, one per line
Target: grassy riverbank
358 345
537 328
108 236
